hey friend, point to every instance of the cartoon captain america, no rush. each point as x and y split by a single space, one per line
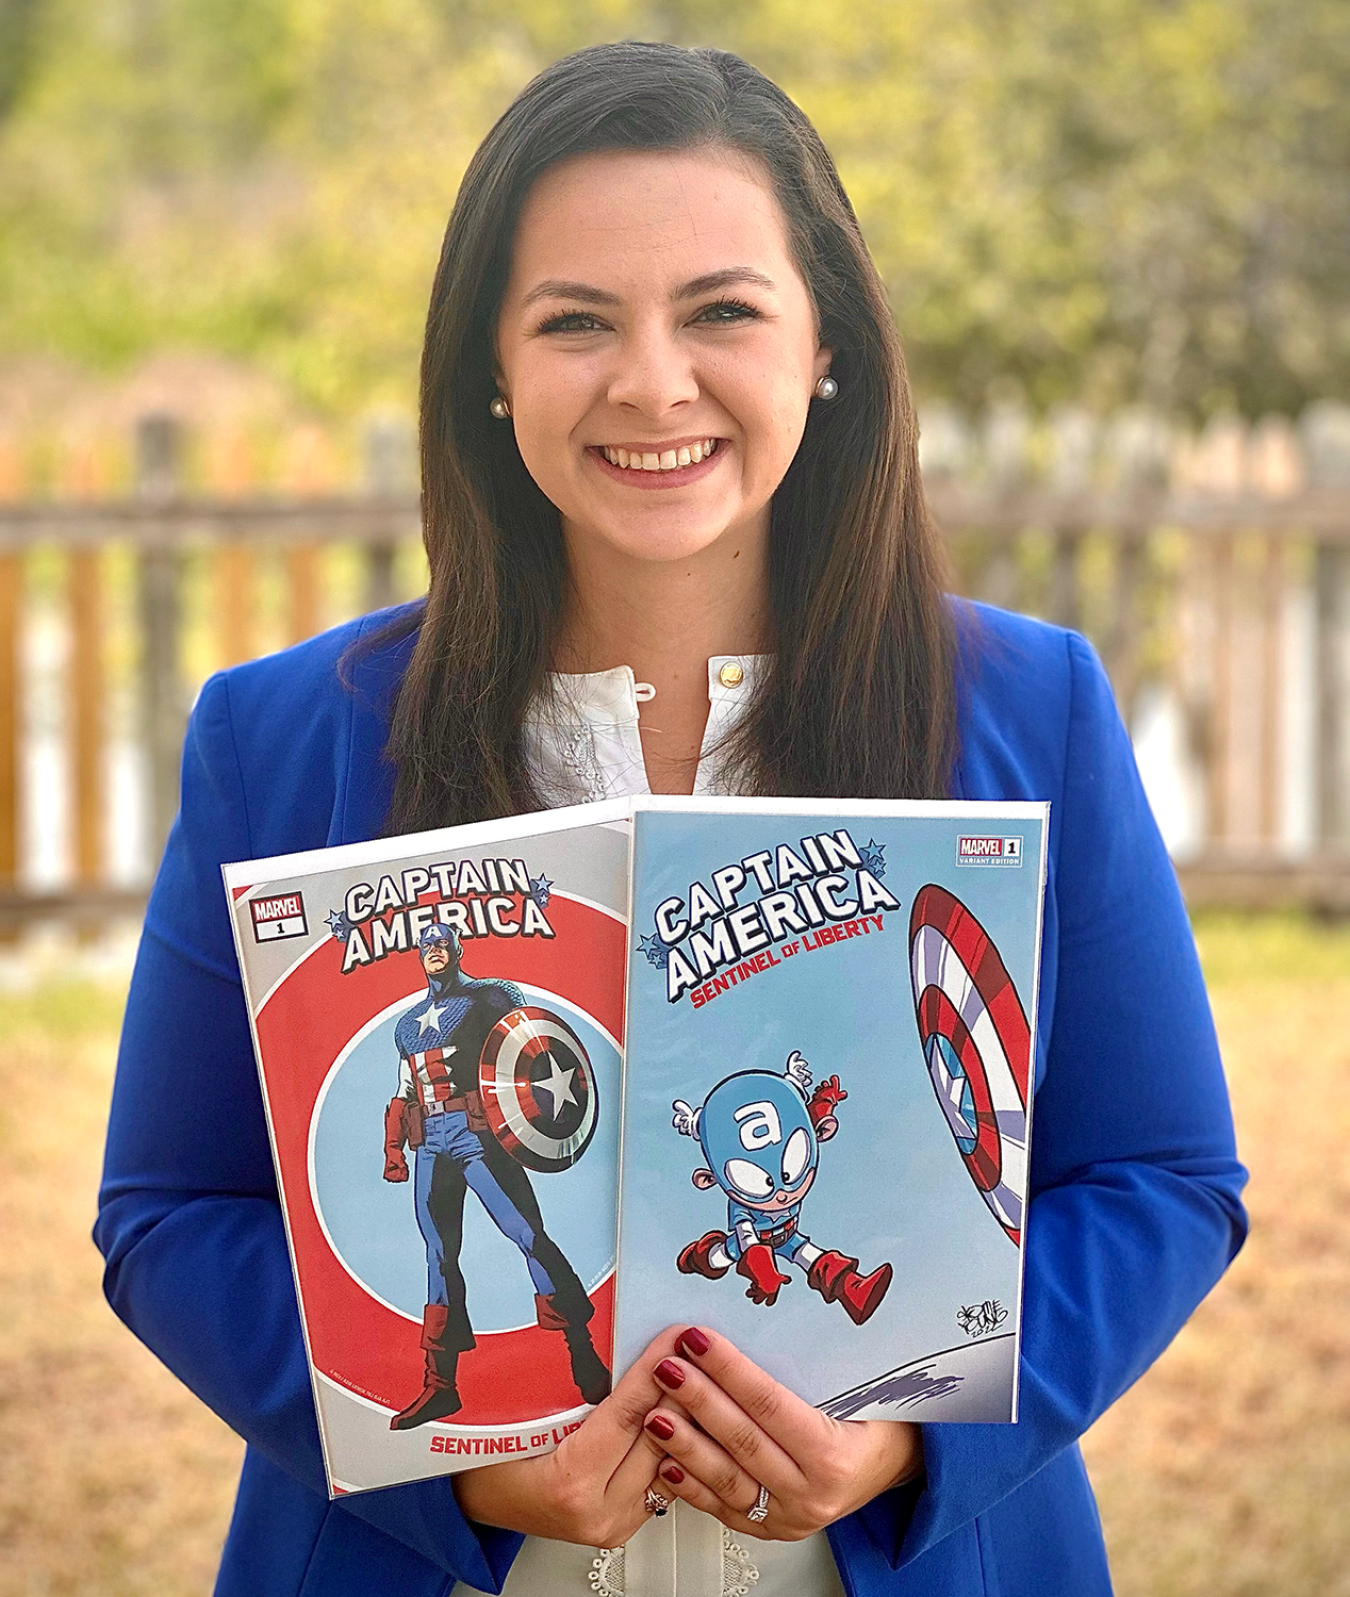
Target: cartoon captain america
760 1134
438 1112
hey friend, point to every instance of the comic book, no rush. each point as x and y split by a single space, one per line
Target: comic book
438 1022
831 1008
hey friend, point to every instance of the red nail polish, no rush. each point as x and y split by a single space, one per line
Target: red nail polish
660 1427
672 1473
669 1373
693 1343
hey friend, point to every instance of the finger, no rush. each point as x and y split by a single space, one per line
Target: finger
609 1431
676 1481
637 1469
739 1434
699 1455
798 1428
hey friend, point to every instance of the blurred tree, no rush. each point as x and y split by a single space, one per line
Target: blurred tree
1109 199
16 39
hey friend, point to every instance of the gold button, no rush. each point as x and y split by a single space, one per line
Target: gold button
731 675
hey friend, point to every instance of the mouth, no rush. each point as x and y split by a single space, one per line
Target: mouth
665 465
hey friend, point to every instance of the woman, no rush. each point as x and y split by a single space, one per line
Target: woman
667 441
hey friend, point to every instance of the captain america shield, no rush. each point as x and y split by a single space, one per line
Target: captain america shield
538 1089
977 1045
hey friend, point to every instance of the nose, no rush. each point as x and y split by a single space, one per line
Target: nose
653 375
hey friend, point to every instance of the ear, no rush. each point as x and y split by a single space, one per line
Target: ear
820 367
703 1179
826 1129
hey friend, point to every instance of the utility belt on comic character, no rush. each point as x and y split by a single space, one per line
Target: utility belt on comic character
469 1104
781 1234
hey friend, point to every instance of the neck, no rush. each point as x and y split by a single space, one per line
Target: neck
665 619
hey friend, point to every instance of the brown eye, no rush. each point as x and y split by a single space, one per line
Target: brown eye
727 311
571 322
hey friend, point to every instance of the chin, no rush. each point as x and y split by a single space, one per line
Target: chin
660 540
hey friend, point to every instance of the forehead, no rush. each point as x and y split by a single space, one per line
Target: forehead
637 221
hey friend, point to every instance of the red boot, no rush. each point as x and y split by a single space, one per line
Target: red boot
439 1397
693 1259
837 1280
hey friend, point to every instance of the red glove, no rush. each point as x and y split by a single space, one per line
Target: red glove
395 1135
759 1267
825 1100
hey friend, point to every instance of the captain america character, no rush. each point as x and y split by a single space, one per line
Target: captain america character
438 1112
761 1133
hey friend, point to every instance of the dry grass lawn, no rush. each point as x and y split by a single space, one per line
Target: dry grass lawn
114 1480
1226 1472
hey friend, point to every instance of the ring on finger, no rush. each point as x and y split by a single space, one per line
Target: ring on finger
654 1503
760 1511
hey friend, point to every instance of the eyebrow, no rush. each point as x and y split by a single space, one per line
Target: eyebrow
709 283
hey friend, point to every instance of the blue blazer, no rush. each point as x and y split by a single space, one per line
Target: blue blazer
1134 1215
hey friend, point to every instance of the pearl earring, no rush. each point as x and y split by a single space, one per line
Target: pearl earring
499 408
826 388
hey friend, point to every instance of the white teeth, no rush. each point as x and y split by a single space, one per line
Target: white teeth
665 460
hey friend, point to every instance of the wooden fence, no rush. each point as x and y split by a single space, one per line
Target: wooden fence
1211 570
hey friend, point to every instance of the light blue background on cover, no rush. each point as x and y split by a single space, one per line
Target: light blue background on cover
892 1185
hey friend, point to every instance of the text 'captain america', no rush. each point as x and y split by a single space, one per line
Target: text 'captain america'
825 878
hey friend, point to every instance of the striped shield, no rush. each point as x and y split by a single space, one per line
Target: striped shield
538 1089
977 1046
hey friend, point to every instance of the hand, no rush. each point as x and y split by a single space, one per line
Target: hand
395 1135
759 1267
591 1489
824 1101
685 1118
729 1428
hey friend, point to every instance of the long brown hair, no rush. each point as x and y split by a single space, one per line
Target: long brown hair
861 699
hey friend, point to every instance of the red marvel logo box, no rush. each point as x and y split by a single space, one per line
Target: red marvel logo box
275 918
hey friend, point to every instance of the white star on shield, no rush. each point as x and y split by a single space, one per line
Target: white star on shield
558 1086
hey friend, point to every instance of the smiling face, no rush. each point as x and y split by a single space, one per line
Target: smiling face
658 348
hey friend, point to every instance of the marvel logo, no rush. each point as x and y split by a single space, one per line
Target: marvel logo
275 918
989 851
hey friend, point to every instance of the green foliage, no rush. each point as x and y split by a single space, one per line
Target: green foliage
1110 199
1239 950
77 1007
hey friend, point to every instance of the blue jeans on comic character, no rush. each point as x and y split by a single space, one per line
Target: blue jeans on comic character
447 1136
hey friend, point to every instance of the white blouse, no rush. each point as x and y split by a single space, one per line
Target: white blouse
582 743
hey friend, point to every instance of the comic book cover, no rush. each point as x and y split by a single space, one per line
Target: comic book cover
827 1107
438 1022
